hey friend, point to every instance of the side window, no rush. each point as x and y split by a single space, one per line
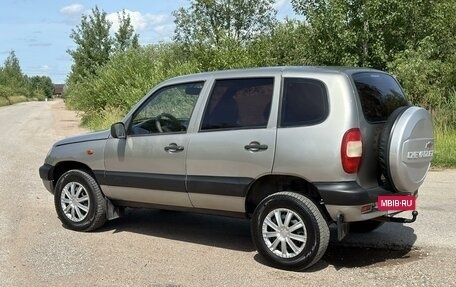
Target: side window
167 111
304 102
239 103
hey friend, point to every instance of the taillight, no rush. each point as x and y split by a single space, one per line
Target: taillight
351 150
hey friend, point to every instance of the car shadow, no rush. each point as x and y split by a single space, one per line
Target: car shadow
210 230
392 243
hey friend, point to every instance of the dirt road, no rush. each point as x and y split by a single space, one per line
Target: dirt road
161 248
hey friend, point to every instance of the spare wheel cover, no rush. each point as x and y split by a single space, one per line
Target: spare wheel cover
406 148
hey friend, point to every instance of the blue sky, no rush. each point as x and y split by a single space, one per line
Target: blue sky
39 31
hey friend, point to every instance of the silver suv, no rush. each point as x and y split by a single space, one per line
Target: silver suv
294 149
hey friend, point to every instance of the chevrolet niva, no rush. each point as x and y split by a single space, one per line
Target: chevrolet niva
294 149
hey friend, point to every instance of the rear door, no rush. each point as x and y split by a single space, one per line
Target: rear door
234 144
379 95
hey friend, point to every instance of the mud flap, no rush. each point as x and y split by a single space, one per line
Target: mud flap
342 227
112 211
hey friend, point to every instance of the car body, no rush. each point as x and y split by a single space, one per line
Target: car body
318 142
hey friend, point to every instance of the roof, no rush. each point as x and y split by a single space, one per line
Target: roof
273 70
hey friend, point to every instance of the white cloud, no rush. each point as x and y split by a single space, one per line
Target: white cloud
139 21
72 9
72 14
166 28
44 68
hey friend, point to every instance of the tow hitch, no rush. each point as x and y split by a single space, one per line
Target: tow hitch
343 227
388 218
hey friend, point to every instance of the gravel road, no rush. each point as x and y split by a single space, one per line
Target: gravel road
163 248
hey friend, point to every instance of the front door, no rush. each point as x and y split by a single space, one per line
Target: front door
149 165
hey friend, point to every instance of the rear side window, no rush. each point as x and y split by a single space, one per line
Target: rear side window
304 102
239 104
380 95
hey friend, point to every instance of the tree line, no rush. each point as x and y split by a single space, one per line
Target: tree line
16 86
413 40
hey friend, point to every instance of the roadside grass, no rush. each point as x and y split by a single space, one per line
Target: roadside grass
102 120
17 99
445 148
4 102
12 100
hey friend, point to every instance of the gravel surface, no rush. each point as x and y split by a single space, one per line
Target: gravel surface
163 248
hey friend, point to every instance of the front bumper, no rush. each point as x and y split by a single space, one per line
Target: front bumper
46 171
349 199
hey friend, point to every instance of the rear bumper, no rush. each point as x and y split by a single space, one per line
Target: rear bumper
46 171
348 198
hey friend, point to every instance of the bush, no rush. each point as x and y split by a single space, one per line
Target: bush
125 79
103 120
9 96
5 92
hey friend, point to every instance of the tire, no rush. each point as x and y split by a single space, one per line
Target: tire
310 241
79 202
383 147
405 149
365 226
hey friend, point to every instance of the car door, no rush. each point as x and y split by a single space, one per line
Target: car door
148 166
235 142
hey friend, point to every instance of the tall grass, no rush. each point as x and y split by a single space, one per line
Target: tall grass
445 148
445 133
5 101
103 120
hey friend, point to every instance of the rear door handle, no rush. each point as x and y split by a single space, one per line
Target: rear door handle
255 146
173 147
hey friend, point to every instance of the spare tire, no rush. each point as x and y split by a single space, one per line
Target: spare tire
406 148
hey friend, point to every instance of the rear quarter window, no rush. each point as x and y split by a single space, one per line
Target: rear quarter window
304 102
379 94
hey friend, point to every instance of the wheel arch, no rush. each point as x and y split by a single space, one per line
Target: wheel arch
64 166
274 183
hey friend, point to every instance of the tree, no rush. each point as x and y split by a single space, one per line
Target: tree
11 74
212 21
93 44
42 83
427 69
216 33
286 44
363 33
125 37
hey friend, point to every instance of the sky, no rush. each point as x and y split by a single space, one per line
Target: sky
39 31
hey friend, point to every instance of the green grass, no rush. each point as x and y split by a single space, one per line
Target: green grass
17 99
102 120
445 148
3 102
12 100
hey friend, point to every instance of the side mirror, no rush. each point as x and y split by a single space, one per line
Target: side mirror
118 131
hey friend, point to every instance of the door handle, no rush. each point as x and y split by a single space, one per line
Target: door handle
173 147
255 146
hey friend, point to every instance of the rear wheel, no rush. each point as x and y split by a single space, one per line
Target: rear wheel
289 231
79 202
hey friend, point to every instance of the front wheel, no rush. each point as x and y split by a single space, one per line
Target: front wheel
289 231
79 202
